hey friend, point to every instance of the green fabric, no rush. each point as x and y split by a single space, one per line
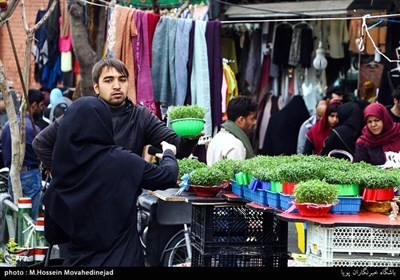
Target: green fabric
234 129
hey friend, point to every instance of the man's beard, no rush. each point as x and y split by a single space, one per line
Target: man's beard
114 103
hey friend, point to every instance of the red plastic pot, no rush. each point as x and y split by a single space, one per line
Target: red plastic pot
288 188
312 209
209 191
378 194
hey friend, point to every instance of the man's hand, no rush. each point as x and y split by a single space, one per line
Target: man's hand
202 133
166 146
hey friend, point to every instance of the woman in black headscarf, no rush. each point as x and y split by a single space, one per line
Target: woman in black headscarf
345 134
91 201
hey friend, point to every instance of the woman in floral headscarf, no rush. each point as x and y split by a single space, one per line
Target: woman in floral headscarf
379 135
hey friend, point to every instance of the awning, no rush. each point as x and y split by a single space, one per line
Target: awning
292 9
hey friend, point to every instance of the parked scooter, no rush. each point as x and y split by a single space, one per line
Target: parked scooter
164 230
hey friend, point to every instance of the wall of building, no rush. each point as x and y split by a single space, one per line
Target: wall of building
19 36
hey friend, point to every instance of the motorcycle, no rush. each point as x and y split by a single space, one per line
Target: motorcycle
164 231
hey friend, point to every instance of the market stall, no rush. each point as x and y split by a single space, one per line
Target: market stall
227 233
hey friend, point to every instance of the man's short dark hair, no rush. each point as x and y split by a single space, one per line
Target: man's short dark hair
240 106
59 110
338 90
35 95
106 63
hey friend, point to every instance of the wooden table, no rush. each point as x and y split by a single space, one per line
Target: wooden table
189 197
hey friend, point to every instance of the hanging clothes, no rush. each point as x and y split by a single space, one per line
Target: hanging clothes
152 20
188 99
390 80
306 47
294 53
283 128
269 105
243 60
283 35
125 30
264 77
40 50
229 51
51 72
144 86
253 67
199 80
111 30
378 34
338 36
232 86
354 35
163 67
181 59
213 35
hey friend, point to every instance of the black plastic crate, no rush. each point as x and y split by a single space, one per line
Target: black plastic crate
238 256
235 225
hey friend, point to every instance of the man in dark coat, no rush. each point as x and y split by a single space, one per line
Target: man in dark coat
135 126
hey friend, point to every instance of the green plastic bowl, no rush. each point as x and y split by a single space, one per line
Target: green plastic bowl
188 127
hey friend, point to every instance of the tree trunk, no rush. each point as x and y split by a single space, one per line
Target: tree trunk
85 54
18 132
15 136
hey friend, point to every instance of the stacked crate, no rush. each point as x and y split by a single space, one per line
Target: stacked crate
352 246
349 202
237 236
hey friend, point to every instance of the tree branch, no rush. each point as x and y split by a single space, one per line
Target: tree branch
6 14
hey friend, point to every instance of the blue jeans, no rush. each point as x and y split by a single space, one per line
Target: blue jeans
31 182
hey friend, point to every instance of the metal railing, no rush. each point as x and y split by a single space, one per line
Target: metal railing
20 233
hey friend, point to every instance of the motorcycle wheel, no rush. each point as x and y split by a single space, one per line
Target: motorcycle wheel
175 253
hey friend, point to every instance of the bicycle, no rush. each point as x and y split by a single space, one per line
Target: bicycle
161 223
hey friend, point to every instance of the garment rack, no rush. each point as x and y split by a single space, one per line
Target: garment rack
378 17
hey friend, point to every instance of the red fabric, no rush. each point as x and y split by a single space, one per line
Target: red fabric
389 138
158 110
152 20
320 131
264 81
76 66
291 81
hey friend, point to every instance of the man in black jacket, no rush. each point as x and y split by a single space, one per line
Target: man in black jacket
135 126
394 110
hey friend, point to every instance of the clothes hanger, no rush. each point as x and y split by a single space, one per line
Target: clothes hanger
303 22
397 68
372 63
268 48
284 23
226 61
